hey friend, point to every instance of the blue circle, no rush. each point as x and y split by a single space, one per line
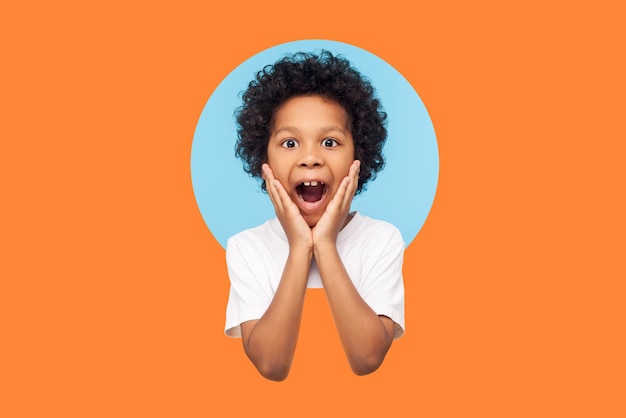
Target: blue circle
231 201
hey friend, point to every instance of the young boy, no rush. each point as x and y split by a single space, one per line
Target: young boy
312 129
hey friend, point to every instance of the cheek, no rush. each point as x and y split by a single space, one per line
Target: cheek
280 170
272 160
348 160
354 153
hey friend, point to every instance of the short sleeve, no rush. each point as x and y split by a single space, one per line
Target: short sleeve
248 298
382 286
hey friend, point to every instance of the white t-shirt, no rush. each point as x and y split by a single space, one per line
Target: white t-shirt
372 252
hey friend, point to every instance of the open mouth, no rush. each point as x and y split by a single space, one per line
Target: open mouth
311 191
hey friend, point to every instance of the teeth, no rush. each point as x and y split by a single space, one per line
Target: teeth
310 183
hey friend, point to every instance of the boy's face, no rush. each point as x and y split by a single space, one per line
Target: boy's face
310 150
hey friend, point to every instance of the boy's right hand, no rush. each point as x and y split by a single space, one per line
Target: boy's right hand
298 232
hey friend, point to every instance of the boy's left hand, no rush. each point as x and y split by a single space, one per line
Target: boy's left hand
333 219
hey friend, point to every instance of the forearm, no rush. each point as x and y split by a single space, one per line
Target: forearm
270 342
365 336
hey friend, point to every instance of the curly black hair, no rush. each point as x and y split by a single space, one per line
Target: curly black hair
303 74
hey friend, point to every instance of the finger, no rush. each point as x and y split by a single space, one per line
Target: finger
353 184
278 201
356 166
268 176
267 173
340 196
283 196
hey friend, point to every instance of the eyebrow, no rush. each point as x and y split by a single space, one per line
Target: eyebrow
324 129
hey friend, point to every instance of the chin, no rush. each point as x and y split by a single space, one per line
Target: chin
311 221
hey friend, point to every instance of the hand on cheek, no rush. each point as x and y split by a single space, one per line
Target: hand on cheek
331 222
298 232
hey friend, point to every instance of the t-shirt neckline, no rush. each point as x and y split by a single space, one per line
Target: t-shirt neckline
346 230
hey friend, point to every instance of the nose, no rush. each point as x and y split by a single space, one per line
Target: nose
311 157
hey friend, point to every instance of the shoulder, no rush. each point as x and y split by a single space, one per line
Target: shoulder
267 232
257 245
363 227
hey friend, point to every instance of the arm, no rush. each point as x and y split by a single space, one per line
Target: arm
270 341
365 336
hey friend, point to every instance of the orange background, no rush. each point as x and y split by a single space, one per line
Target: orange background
113 289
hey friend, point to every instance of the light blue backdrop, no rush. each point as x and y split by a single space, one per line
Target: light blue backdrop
402 194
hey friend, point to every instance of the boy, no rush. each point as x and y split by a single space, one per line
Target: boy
312 129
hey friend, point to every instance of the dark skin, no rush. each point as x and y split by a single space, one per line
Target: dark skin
270 341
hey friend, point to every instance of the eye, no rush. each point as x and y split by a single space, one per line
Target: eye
330 142
289 143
